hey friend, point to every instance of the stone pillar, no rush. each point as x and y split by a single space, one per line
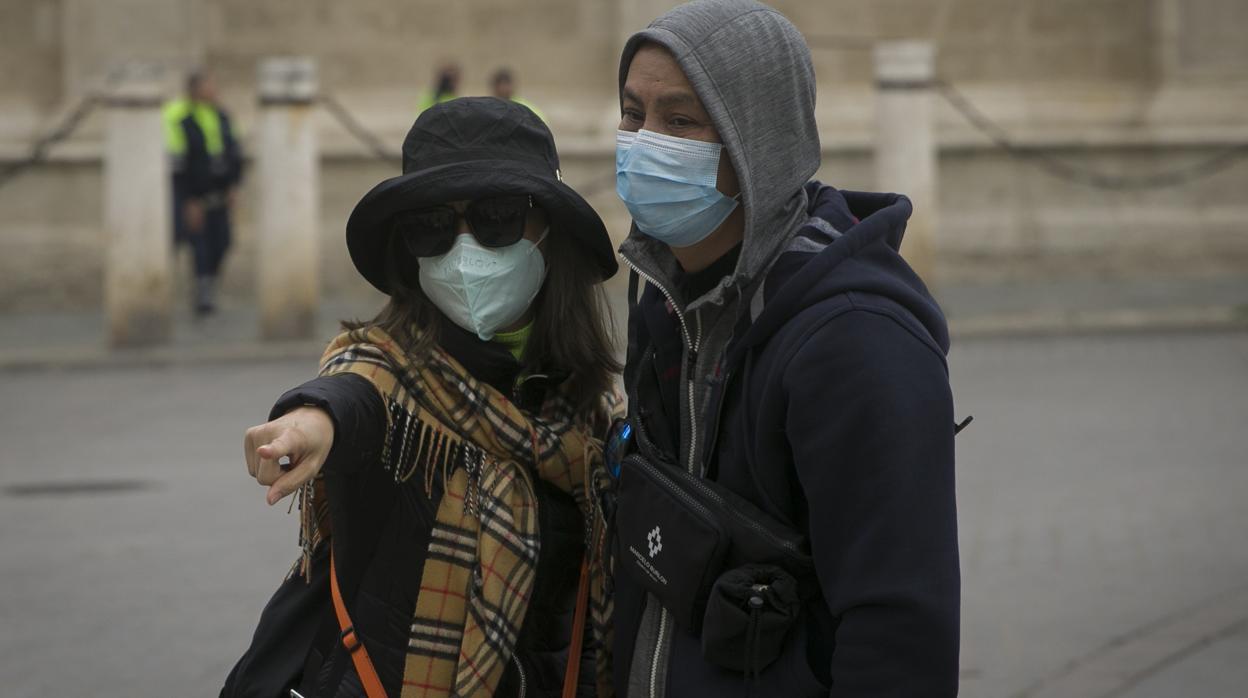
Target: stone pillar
905 145
288 254
138 289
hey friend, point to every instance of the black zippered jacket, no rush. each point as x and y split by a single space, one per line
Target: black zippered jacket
833 414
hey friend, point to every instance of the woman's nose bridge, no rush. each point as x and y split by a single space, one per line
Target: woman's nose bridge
461 218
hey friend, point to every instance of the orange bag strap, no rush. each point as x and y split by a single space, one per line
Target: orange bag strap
573 673
351 641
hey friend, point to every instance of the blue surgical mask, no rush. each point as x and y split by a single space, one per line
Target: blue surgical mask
484 289
668 185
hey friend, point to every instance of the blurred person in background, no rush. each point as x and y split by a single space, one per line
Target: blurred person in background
503 86
207 167
445 456
445 87
785 518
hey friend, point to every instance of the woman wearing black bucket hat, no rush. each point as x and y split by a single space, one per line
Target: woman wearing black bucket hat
446 459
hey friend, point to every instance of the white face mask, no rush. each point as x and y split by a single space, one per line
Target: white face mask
484 289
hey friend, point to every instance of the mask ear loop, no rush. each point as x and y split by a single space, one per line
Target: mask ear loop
546 230
540 238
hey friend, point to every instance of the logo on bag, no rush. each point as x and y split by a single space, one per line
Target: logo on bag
655 541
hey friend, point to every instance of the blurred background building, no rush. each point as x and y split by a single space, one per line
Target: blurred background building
1117 87
1092 159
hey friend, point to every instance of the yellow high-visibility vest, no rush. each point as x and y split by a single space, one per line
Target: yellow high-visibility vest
205 117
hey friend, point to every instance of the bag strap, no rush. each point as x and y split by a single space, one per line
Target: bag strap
351 641
573 673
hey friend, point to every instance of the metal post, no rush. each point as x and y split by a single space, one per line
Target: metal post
905 147
288 252
138 276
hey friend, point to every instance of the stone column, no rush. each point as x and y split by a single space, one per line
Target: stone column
288 254
138 289
905 145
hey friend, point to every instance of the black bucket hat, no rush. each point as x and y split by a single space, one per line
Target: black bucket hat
473 148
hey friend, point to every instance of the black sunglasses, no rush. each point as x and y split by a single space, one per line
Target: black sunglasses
495 222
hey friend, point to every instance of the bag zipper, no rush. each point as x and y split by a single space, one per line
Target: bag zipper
735 513
696 483
711 494
684 496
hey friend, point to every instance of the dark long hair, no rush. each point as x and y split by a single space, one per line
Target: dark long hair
571 318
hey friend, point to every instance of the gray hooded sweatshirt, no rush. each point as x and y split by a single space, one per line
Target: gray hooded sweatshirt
752 71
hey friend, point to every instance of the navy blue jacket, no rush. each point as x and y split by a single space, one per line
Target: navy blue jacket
836 418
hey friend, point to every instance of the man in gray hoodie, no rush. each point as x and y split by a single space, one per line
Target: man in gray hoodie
786 363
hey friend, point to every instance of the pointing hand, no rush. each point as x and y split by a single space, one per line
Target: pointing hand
303 435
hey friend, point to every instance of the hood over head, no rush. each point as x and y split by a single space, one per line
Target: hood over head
863 258
752 70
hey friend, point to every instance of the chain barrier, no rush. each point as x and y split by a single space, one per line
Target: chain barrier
352 125
41 148
1055 166
39 151
1062 169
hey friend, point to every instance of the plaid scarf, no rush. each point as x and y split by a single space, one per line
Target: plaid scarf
460 438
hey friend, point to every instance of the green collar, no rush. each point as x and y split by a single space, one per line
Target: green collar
516 340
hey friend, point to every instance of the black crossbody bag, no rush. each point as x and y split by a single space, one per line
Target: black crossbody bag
722 567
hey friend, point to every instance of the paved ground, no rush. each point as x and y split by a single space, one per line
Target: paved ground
1101 488
1103 521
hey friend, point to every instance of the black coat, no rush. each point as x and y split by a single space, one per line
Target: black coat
381 535
198 172
834 417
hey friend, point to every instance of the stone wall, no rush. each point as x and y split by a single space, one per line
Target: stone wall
1119 85
379 54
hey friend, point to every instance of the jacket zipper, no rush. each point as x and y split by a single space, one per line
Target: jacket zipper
691 342
690 366
658 652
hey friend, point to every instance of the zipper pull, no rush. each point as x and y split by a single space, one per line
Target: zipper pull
751 638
